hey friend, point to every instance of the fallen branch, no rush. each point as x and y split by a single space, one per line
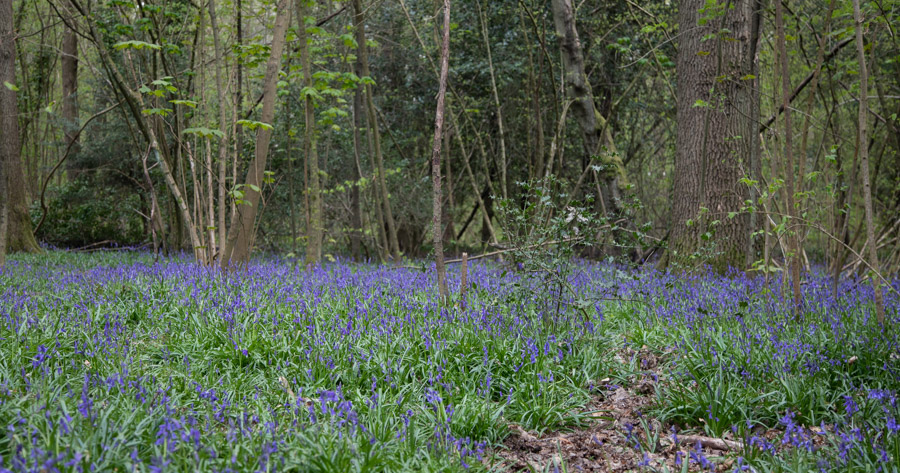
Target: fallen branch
709 442
507 250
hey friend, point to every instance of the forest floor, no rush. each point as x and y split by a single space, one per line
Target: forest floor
120 362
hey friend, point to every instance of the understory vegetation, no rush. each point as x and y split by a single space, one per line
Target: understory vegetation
117 362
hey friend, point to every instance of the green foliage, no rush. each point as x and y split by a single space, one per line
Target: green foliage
82 213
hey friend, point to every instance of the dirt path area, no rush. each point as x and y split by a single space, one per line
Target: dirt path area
620 438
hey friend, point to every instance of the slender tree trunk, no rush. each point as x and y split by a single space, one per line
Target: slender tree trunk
240 234
9 116
69 73
863 143
291 193
754 242
355 204
355 201
447 213
238 99
134 101
314 230
363 58
534 82
223 124
788 157
487 45
436 158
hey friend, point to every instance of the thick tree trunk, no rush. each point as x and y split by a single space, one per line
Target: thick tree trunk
593 125
713 149
363 58
9 115
436 158
863 143
18 221
240 234
69 73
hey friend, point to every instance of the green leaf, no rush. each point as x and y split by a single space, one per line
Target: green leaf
186 103
134 44
11 87
310 92
163 112
252 125
203 132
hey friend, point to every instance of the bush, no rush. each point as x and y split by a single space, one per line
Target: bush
81 214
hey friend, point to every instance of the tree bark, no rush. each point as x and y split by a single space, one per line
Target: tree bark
714 104
240 234
755 242
314 192
863 143
18 221
223 124
69 73
787 160
593 125
355 201
363 58
436 158
9 115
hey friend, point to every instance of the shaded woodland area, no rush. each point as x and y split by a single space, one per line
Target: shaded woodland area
449 235
749 134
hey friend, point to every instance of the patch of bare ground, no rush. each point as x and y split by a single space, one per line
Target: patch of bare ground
620 436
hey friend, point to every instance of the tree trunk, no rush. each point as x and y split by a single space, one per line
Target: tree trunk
223 126
714 104
593 125
18 221
238 98
787 160
487 45
863 143
363 58
355 203
69 73
314 192
436 158
134 101
9 115
755 242
240 234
